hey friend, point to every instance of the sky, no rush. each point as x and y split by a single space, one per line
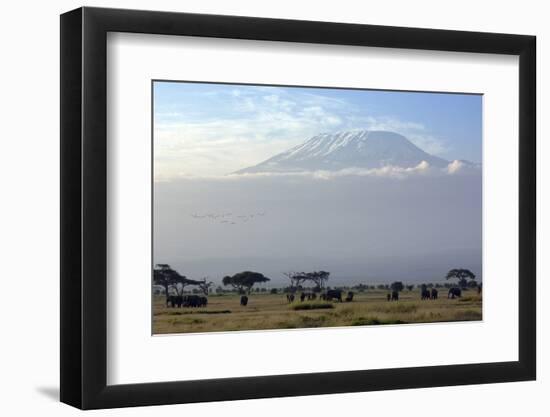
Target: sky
411 224
205 129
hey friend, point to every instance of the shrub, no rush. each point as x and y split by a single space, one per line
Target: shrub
312 306
369 321
308 321
365 321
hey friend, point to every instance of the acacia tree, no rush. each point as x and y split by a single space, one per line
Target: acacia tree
296 278
205 286
462 275
244 281
397 286
319 278
164 275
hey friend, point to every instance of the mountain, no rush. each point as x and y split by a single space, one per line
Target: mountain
350 149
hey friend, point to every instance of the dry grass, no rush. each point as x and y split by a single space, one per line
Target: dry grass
271 311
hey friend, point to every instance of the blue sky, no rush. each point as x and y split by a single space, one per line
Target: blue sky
213 129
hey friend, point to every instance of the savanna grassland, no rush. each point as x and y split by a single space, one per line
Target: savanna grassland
272 311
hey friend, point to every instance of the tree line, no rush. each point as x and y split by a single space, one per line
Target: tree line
243 282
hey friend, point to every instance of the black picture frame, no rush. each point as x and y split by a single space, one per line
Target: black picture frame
84 207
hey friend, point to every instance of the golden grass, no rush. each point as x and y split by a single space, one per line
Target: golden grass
271 311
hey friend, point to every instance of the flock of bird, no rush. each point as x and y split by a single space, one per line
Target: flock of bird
228 218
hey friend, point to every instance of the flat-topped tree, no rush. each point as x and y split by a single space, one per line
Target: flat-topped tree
164 275
397 286
462 275
244 281
296 278
319 278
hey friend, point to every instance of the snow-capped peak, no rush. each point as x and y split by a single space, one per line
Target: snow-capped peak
349 149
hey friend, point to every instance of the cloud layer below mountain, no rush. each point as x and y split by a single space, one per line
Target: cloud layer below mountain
367 228
455 167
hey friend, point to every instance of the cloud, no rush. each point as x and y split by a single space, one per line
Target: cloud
422 169
261 126
417 133
228 129
455 167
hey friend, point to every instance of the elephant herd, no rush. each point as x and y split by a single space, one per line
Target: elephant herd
186 301
426 294
329 295
310 296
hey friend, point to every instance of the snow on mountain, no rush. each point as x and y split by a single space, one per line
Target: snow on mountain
350 149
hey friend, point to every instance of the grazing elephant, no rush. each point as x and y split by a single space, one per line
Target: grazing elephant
395 296
175 301
192 301
311 296
454 292
425 294
203 301
333 294
349 296
290 298
244 300
388 296
170 301
302 297
434 294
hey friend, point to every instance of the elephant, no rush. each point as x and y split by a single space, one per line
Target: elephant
333 294
244 300
174 301
290 298
349 296
302 297
170 301
454 292
395 296
434 294
194 301
425 294
388 296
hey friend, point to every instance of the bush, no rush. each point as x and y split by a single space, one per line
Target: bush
312 306
307 321
273 291
369 321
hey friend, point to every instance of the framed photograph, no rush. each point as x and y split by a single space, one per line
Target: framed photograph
257 208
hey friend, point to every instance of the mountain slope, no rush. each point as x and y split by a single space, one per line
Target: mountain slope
351 149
